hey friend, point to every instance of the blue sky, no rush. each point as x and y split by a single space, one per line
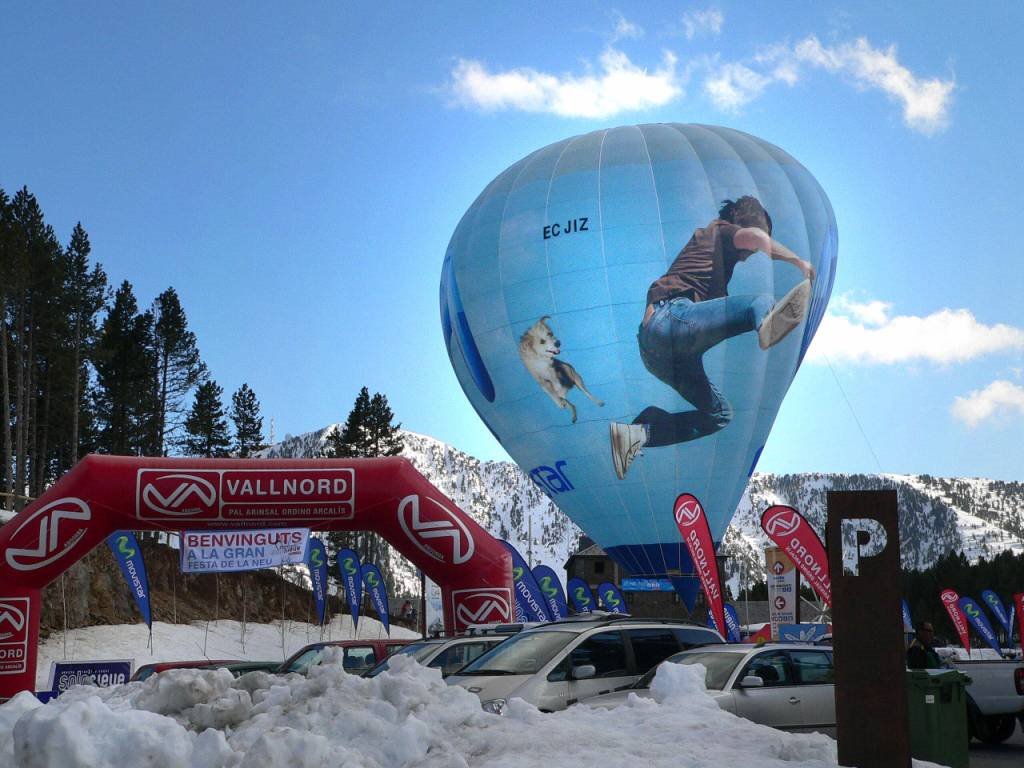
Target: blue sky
295 172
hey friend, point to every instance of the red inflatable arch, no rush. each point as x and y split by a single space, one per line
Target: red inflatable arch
103 494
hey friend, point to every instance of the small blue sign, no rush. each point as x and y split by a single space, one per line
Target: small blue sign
647 585
65 674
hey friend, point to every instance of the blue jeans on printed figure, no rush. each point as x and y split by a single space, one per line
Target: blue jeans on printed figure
672 346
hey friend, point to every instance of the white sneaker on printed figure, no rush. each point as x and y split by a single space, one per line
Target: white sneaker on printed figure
626 440
787 314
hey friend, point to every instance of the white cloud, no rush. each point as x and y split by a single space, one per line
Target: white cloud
864 332
708 21
733 85
925 102
999 399
621 86
625 28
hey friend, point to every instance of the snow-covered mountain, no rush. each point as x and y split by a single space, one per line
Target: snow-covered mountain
937 515
495 493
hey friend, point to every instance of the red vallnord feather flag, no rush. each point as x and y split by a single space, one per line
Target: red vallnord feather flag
693 525
952 602
795 536
1018 601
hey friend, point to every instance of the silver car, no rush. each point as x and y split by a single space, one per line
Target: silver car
784 685
449 654
557 664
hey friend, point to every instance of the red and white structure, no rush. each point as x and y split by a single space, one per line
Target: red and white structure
103 494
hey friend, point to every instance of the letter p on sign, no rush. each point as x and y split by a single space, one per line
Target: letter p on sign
862 537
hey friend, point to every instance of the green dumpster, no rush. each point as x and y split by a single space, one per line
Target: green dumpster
937 706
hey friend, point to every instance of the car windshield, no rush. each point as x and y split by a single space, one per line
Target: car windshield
523 654
303 661
717 666
418 651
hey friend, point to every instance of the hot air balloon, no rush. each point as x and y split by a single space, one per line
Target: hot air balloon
626 309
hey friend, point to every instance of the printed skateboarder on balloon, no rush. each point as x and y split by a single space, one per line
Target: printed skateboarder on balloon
689 310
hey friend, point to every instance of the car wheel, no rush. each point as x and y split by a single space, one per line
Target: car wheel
995 729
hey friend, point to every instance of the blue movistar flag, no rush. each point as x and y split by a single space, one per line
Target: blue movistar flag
378 592
732 623
129 556
579 593
316 561
352 579
551 588
908 623
611 598
995 605
979 621
530 603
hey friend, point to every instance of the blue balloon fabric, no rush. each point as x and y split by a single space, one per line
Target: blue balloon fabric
626 309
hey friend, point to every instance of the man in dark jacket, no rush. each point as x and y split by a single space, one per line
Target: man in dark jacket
920 654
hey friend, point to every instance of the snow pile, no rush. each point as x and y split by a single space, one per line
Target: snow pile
405 717
199 640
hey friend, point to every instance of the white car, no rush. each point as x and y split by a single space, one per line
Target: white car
554 665
784 685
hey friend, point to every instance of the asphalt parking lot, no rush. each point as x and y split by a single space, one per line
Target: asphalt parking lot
1010 752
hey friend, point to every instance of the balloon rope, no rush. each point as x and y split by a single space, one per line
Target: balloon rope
854 414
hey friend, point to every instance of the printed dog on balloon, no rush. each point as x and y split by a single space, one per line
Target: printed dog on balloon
538 349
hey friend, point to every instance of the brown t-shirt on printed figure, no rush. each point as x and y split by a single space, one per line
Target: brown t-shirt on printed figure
703 268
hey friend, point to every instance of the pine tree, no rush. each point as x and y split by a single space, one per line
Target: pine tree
124 374
245 414
368 432
179 367
86 293
206 427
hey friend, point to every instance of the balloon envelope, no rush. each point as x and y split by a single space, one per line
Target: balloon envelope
622 337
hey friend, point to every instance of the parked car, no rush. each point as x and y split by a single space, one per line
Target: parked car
239 668
558 663
785 685
358 655
995 694
148 670
449 654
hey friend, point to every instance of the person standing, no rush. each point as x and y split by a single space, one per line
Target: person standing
920 653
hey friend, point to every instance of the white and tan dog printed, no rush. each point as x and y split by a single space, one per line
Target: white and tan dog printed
538 349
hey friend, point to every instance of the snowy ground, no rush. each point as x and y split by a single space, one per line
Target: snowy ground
402 719
199 640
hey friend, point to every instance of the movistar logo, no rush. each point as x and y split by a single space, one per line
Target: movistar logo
123 548
610 599
517 573
371 579
581 596
349 564
546 588
315 557
971 610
